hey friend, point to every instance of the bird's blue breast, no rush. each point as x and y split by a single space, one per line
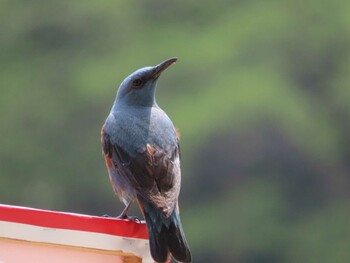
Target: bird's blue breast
132 128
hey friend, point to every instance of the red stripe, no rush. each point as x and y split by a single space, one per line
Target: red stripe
52 219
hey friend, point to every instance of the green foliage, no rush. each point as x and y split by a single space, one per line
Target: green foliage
260 93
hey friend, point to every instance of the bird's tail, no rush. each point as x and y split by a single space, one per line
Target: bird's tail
165 235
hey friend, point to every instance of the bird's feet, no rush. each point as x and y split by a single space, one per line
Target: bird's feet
131 218
124 217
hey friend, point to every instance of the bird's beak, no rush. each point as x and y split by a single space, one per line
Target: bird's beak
162 66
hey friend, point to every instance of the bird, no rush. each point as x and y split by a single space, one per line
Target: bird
141 148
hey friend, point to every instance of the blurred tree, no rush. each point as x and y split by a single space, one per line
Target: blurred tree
260 93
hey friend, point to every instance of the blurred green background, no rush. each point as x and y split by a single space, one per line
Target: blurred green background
260 93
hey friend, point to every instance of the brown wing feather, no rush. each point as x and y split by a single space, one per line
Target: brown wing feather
107 147
154 174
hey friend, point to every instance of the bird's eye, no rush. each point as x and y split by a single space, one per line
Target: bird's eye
137 83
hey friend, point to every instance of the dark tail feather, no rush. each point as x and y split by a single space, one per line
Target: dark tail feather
177 242
166 235
157 240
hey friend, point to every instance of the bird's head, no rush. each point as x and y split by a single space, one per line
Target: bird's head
138 89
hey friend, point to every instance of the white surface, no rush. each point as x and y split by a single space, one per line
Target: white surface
139 247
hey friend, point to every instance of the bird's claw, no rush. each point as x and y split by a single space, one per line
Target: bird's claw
105 215
131 218
135 219
124 217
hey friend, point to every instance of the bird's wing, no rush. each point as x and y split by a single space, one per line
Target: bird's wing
154 174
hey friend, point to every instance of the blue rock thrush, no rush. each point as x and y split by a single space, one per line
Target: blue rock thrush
142 153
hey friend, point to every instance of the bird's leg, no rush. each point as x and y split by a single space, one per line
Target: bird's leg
123 214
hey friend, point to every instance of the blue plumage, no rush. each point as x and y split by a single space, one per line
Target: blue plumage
142 155
139 126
